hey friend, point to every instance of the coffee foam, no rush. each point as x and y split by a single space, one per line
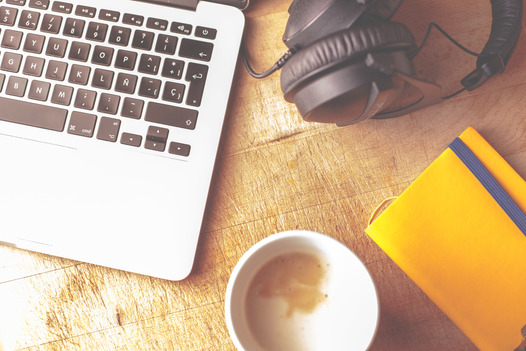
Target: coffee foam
285 300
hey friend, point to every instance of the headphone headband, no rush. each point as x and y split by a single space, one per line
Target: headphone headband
308 22
503 38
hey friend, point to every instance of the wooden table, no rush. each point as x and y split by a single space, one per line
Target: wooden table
276 173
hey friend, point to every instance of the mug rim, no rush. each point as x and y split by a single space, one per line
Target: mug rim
310 240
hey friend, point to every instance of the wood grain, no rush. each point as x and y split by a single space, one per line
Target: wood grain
275 173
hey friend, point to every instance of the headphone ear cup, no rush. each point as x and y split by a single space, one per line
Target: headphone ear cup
384 9
333 71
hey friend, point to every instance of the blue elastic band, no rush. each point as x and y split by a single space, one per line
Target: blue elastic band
491 185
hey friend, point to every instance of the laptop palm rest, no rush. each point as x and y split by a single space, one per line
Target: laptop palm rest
94 206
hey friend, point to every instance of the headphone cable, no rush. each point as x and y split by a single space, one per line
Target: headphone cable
282 60
453 94
452 40
449 37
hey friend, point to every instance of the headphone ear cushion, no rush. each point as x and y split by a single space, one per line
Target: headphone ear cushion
384 9
342 47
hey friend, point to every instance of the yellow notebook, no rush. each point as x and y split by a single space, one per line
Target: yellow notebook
459 232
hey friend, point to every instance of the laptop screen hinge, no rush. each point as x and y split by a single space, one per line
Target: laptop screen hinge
240 4
192 4
184 4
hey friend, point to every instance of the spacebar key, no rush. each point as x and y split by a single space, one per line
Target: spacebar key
40 116
171 115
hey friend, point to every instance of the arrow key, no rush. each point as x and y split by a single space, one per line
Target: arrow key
157 134
131 139
154 145
179 149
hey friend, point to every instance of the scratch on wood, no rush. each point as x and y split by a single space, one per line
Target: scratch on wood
118 316
284 137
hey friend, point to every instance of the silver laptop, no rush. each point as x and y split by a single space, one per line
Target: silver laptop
110 119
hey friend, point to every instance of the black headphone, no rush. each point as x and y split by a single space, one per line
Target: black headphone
351 63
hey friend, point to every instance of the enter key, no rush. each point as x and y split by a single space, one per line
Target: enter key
196 75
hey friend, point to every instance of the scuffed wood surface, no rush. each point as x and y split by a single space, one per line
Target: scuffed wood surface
275 173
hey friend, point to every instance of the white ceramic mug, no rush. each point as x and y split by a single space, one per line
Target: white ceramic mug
267 307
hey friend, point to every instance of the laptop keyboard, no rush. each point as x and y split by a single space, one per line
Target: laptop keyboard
84 71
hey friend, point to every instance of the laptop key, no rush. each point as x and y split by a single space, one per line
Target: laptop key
12 39
132 108
204 32
41 116
102 55
39 4
108 129
134 20
154 145
171 115
16 2
131 139
126 83
143 40
97 31
39 90
197 50
51 23
156 23
102 79
149 64
56 70
119 36
179 149
33 66
181 28
166 44
11 62
56 47
74 27
157 134
85 99
79 74
196 75
85 11
107 15
79 51
62 7
173 92
29 20
149 87
173 68
62 95
109 103
34 43
82 124
8 15
16 86
126 59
